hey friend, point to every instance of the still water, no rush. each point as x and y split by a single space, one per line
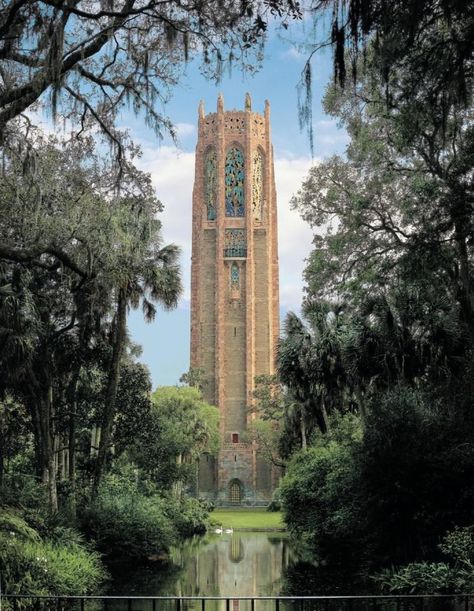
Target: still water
252 564
238 564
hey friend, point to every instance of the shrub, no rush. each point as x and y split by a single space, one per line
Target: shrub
452 577
417 472
190 516
275 503
129 524
30 565
320 492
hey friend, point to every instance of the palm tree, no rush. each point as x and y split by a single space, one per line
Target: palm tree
144 278
310 363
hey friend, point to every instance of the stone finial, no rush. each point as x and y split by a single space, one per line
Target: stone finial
220 103
267 108
248 102
201 110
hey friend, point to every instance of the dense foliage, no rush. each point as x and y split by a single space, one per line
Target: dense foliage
131 518
75 405
45 558
74 257
382 363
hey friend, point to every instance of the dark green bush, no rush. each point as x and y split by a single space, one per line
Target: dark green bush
30 565
129 524
452 577
190 516
320 492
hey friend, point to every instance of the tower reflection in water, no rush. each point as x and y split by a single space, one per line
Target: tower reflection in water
229 565
235 566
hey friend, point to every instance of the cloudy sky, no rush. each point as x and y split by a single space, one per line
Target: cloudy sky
165 342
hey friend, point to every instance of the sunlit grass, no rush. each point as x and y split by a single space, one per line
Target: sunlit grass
246 518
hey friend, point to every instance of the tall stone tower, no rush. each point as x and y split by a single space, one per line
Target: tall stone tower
234 291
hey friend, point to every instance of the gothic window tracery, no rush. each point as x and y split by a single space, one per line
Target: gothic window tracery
211 184
234 182
257 186
235 243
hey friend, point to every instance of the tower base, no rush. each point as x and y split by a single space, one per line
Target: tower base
237 477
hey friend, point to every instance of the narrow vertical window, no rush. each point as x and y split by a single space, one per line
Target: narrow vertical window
234 183
210 172
258 164
234 276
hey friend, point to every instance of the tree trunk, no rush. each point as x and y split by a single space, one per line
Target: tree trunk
47 445
467 297
72 443
324 416
178 485
112 385
2 464
362 408
304 443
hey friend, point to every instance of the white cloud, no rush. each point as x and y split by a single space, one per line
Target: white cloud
292 53
325 124
185 129
329 139
294 235
172 173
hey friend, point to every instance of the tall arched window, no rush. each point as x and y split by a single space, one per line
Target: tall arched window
257 185
234 183
210 172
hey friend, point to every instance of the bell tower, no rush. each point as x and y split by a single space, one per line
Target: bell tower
234 290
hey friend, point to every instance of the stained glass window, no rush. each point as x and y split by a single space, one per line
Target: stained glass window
257 186
211 185
234 277
235 243
234 183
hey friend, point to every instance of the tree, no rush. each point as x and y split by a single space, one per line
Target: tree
94 60
195 377
14 431
388 301
133 404
268 409
147 273
397 219
182 426
71 247
431 41
310 364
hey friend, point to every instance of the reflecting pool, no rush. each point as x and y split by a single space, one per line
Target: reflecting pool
237 564
251 564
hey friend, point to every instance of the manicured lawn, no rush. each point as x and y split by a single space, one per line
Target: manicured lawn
247 518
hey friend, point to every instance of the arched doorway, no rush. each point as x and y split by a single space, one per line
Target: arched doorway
235 492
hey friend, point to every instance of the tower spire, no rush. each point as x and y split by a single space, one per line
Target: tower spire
201 112
248 102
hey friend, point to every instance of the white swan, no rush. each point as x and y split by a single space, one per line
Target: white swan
229 530
218 531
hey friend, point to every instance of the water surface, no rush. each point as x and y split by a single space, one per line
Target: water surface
237 564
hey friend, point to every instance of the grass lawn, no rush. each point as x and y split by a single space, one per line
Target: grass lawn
246 518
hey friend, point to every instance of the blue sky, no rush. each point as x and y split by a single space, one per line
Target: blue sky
165 342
